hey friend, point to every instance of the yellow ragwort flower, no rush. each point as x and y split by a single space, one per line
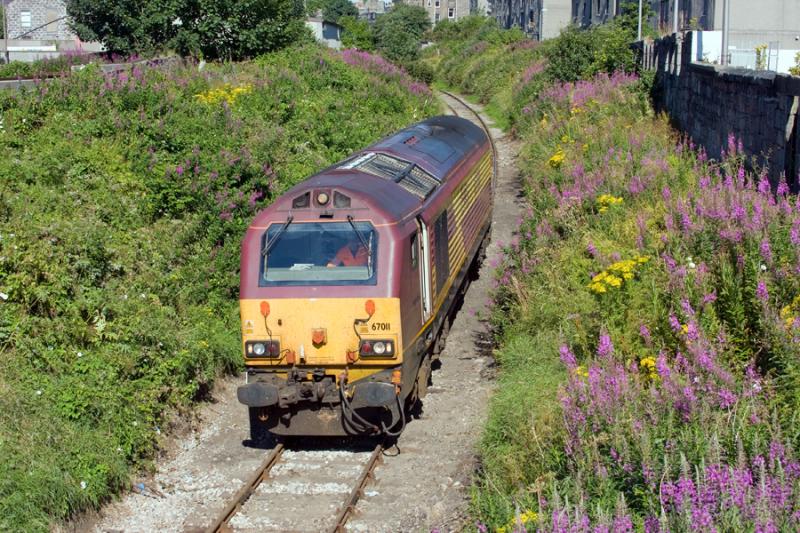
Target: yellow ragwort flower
557 159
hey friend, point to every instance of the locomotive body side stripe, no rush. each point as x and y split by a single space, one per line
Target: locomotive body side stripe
464 203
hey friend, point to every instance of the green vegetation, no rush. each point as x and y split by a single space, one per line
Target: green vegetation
43 67
399 32
646 313
357 34
334 10
122 207
232 30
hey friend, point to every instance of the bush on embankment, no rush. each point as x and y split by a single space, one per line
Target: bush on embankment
122 205
648 321
504 69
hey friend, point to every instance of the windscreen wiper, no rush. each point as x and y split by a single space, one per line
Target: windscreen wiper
358 233
275 238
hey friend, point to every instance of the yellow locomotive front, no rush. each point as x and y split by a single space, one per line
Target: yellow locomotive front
321 318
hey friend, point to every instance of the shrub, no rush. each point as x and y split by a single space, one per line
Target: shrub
398 33
121 215
357 34
214 30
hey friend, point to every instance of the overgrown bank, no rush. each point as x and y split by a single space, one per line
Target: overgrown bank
647 316
122 204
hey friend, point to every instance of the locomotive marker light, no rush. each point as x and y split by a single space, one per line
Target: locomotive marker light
319 337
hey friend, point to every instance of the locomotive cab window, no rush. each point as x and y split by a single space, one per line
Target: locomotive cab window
318 253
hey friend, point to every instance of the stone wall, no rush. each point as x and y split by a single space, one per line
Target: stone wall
711 102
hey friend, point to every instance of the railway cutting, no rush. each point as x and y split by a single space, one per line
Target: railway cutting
217 478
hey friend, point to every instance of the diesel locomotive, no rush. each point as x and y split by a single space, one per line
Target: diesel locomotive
348 281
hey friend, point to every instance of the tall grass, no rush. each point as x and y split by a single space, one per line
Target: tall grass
647 321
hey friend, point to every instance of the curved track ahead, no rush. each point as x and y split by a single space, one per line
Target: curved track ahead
456 101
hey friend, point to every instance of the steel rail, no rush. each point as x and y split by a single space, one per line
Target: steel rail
483 125
221 525
350 505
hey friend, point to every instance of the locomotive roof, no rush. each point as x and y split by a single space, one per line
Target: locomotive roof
436 144
394 176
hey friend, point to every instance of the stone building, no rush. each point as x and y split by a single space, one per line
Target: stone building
589 12
540 19
773 22
440 10
369 10
41 20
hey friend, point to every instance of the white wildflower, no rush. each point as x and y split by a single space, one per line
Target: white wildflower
3 296
83 485
692 265
38 392
763 268
80 354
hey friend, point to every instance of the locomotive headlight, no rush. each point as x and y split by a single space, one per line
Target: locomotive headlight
379 348
322 198
259 348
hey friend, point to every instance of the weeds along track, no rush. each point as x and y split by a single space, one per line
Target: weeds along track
301 490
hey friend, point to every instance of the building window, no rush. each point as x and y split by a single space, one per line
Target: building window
25 19
429 3
438 3
436 17
451 12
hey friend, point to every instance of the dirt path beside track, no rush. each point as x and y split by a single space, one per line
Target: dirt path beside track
423 487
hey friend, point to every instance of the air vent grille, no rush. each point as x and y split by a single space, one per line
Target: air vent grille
406 174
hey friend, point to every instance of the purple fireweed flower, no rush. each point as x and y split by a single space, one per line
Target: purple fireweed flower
710 297
761 291
765 250
644 333
605 346
567 357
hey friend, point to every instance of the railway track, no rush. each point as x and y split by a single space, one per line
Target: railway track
454 102
301 490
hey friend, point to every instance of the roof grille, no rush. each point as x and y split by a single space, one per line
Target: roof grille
418 182
408 175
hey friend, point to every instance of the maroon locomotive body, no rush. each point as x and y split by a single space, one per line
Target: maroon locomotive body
348 280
